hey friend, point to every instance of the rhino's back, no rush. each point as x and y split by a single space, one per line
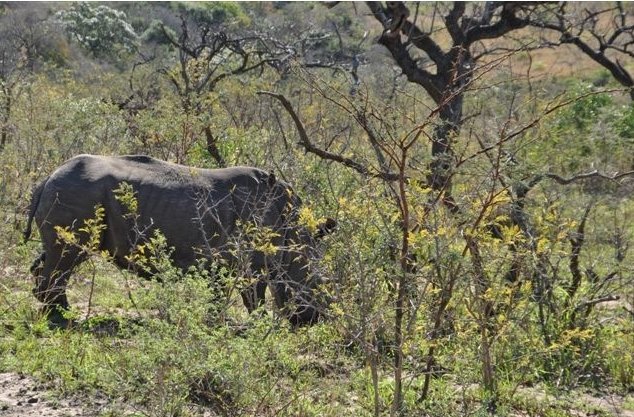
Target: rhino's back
140 170
174 198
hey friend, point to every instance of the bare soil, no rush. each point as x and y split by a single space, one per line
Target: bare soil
581 404
610 403
23 396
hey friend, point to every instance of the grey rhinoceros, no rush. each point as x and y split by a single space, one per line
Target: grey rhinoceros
199 211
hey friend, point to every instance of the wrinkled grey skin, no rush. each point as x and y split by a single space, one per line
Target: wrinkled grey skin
197 210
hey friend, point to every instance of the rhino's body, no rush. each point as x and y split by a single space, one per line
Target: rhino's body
197 210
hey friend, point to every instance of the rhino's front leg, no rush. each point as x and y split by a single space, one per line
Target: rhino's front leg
253 296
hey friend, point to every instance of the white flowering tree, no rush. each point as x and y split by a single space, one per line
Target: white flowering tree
101 30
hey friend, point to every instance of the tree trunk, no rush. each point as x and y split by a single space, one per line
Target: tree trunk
441 166
212 148
4 123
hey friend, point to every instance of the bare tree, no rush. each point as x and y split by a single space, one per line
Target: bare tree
208 53
603 32
415 46
206 56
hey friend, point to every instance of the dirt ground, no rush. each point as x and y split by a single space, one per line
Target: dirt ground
610 403
22 396
580 404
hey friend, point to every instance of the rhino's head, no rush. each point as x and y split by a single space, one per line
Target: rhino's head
300 277
296 272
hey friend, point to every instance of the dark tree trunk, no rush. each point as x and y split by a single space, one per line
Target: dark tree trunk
4 123
446 87
441 165
212 148
456 74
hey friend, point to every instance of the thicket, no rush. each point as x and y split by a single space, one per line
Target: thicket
525 280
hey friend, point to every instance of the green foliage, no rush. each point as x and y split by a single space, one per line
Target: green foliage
213 13
597 123
155 33
625 125
617 358
586 110
126 195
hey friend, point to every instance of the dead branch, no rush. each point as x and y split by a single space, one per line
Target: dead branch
310 147
592 303
592 174
526 187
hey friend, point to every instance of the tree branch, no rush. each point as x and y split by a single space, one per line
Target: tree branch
452 25
507 23
424 42
430 82
577 244
592 174
212 147
309 147
592 40
591 303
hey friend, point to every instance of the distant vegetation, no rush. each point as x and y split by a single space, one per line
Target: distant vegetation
483 194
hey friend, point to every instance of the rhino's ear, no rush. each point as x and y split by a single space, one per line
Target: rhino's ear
271 179
326 227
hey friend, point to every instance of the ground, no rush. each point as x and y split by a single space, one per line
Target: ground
22 396
578 404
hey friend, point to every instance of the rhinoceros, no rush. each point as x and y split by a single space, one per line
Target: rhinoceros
198 211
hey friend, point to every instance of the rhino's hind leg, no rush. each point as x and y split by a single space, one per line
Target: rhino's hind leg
38 265
51 276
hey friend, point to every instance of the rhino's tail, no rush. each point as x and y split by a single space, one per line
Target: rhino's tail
35 201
